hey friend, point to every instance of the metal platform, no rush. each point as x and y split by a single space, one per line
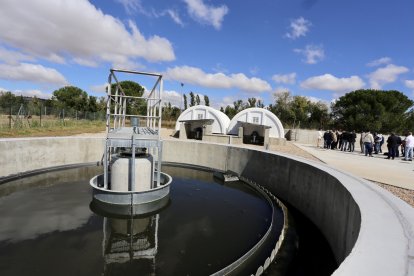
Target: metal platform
129 131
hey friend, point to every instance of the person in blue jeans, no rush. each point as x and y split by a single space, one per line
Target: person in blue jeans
368 141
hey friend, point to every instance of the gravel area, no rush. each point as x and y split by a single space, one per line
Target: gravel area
404 194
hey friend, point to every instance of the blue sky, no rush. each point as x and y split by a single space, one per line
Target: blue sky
227 50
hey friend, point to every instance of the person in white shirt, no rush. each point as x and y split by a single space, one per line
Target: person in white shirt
368 140
320 136
409 144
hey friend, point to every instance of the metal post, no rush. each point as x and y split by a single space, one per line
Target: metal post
108 103
132 168
159 163
124 112
116 108
10 117
160 109
105 164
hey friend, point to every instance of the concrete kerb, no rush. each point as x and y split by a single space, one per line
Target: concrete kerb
369 229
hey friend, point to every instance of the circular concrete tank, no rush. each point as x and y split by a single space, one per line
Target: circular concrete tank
370 231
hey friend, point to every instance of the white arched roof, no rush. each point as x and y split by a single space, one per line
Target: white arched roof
198 112
258 116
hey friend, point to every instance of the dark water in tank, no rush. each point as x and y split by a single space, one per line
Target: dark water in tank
48 228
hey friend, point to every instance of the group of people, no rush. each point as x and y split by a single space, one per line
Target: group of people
371 143
394 142
334 139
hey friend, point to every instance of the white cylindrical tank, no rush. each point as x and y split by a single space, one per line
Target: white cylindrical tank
143 173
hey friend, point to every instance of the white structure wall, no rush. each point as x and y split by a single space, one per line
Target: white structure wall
198 112
258 116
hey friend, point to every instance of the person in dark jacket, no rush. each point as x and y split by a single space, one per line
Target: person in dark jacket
345 140
352 139
399 142
392 144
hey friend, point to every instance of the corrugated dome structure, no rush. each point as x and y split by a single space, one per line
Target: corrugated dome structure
259 116
202 112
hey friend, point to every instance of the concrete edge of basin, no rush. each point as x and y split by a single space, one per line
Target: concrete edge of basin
371 232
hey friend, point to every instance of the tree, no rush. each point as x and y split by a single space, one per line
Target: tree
206 100
238 106
252 102
192 99
299 106
197 99
170 113
376 110
185 101
282 109
7 99
93 104
102 104
260 104
319 115
131 88
71 97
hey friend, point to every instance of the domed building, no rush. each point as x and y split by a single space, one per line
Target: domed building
257 126
199 120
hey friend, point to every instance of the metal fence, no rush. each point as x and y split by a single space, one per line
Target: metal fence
20 116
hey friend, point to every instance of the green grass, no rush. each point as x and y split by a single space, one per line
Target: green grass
54 127
51 128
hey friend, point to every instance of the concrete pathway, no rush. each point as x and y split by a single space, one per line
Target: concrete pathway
392 172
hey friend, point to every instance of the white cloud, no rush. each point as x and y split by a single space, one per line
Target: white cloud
205 14
287 78
131 6
409 84
13 57
135 6
313 53
193 75
28 93
280 89
384 75
175 17
380 61
76 30
298 27
173 97
31 72
99 88
332 83
317 100
225 101
32 92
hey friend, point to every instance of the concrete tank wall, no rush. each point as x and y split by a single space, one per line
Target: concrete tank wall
28 154
370 231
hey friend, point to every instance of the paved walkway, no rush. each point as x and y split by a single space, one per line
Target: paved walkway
392 172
